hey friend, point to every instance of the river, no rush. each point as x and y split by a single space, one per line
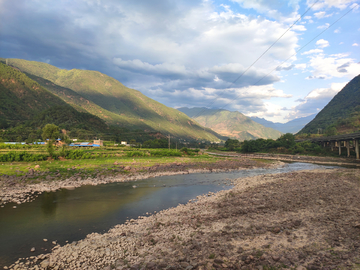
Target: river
69 215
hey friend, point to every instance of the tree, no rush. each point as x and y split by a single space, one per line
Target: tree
330 131
231 144
51 132
287 140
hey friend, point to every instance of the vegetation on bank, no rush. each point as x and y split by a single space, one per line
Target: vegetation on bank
105 161
286 144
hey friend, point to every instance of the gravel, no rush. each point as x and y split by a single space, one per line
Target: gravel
299 220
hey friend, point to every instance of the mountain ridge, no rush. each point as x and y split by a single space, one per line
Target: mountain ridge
231 124
292 126
115 103
341 113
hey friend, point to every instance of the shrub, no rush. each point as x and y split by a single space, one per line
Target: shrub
135 154
165 153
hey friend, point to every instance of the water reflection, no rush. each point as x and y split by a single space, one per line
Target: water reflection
49 204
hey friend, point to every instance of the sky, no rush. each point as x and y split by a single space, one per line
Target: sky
273 59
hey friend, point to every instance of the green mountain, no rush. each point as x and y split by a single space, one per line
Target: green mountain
341 114
231 124
107 98
24 101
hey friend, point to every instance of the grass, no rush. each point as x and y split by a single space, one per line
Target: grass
90 167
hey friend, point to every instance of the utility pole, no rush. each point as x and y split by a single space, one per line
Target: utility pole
169 141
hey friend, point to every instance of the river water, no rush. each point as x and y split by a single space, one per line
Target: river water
66 216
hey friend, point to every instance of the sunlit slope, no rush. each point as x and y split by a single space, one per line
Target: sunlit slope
24 101
231 124
342 112
119 105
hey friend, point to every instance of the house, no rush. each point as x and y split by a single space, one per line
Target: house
84 144
59 142
99 142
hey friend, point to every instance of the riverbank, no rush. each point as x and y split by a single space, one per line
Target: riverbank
302 220
18 190
339 161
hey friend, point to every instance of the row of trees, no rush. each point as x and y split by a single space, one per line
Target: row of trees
285 144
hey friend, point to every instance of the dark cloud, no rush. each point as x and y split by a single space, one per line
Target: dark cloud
285 68
342 68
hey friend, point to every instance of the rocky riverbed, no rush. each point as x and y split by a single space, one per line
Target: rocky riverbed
298 220
20 189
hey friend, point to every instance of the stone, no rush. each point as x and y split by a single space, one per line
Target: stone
127 168
275 258
37 166
44 264
45 240
32 249
276 230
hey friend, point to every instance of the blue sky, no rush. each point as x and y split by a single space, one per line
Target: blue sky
190 52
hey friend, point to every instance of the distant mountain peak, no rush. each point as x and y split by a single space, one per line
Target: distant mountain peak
232 124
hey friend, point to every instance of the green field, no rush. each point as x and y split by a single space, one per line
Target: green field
102 161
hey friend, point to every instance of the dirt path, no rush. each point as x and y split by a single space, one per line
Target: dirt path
298 220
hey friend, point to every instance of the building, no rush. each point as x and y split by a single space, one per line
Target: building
84 144
99 142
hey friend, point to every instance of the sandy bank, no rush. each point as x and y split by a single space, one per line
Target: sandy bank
298 220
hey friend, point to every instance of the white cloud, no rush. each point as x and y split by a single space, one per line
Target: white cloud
315 101
322 14
300 66
341 4
322 43
266 6
320 93
313 51
337 66
355 45
326 25
337 31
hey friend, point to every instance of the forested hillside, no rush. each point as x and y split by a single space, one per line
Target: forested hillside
110 100
27 107
341 114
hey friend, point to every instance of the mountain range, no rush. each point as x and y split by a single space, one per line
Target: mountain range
231 124
293 126
102 96
38 93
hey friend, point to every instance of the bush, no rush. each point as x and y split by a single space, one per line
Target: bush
135 154
22 156
165 153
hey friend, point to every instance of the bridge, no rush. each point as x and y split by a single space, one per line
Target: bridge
348 141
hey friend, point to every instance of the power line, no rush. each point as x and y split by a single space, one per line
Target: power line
242 74
297 51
